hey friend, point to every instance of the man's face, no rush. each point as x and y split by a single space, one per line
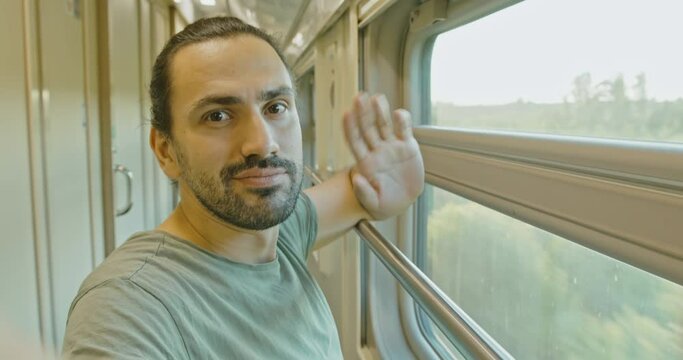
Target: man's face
236 131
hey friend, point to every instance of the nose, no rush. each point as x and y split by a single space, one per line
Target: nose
258 138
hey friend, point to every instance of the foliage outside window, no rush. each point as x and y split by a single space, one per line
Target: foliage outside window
544 297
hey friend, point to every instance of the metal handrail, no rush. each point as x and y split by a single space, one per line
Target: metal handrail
456 325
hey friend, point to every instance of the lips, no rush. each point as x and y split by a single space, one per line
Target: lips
259 173
261 177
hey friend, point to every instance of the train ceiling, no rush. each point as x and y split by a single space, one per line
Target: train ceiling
294 23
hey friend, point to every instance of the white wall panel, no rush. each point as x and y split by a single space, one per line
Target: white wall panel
128 140
161 31
149 165
66 155
19 295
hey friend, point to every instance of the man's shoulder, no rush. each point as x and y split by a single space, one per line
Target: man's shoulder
118 318
126 261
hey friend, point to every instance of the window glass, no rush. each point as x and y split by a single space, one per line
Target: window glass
544 297
440 342
607 68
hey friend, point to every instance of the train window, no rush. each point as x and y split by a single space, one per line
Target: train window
590 68
542 296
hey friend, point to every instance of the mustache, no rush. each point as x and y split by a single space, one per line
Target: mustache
253 161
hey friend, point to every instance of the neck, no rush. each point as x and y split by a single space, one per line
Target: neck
194 223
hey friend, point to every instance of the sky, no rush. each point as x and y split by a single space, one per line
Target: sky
533 50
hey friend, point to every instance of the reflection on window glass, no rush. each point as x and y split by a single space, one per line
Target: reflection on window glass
543 297
607 68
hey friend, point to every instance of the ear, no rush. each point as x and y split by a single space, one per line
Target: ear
165 153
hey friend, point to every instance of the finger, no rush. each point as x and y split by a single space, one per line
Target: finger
382 115
365 193
366 121
353 137
402 124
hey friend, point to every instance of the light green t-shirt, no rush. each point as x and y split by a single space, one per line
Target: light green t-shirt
160 297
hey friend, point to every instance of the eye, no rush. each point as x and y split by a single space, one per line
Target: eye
277 108
218 116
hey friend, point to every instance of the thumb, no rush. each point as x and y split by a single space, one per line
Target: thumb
365 193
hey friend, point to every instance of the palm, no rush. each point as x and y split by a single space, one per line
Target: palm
389 170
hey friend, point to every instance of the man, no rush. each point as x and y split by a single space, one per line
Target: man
225 275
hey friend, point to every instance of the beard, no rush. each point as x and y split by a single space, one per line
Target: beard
219 196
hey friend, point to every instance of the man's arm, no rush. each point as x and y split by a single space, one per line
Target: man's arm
388 175
337 207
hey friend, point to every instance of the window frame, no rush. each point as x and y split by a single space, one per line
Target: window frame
634 222
578 167
416 57
390 317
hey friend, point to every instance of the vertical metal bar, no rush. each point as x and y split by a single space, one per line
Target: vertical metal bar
36 102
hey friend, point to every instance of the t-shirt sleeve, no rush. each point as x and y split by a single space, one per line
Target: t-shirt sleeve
120 320
301 228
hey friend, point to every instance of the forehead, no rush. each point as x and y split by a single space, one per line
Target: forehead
237 65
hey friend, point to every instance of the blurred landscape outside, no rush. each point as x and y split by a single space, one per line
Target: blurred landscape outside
609 69
544 297
605 68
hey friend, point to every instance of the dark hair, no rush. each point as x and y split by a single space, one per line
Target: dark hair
199 31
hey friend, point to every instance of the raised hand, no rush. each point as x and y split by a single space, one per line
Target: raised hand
389 172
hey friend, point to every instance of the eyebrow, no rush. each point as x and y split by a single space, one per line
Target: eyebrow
265 95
